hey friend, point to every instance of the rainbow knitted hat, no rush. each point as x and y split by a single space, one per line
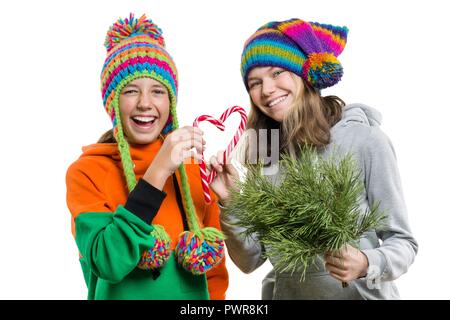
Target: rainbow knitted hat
308 49
136 49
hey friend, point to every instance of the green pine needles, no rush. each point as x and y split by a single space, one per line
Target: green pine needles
313 209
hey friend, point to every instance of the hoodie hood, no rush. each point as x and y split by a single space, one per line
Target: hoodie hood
361 113
141 155
109 150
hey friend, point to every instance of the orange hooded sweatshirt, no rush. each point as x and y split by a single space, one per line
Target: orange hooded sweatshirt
96 184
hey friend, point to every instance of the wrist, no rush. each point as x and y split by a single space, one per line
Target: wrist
364 264
156 178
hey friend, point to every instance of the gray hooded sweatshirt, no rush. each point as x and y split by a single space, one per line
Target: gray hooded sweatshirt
389 251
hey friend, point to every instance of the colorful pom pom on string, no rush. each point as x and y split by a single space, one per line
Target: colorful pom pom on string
322 70
155 257
130 27
200 251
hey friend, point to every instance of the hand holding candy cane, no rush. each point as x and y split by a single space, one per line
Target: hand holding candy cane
226 177
207 179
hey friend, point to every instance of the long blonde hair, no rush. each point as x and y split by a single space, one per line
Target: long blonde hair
308 122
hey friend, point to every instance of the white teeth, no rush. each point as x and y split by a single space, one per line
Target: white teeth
145 119
277 100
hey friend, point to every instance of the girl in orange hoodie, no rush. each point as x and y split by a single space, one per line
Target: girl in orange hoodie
138 213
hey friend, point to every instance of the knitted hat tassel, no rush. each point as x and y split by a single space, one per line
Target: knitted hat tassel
199 249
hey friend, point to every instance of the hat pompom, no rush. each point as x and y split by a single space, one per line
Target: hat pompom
156 257
123 29
322 70
198 252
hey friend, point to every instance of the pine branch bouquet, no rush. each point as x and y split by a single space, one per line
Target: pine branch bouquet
314 208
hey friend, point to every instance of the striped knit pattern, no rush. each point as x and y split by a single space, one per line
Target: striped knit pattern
308 49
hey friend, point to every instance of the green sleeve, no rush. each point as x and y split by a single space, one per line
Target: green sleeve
112 243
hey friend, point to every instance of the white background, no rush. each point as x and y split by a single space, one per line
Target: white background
51 54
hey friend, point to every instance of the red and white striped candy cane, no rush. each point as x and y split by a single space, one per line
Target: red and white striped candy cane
203 174
207 179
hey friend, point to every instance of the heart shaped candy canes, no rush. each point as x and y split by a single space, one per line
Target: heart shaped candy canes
207 179
200 250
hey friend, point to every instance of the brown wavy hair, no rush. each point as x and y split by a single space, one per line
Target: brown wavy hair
308 122
107 137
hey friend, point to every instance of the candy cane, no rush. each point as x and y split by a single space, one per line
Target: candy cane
207 179
203 174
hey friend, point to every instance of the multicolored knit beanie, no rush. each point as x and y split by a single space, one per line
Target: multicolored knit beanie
308 49
136 49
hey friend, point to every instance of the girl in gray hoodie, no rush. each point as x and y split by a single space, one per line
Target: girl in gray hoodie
284 66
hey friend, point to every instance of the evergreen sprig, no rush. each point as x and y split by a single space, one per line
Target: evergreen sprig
313 209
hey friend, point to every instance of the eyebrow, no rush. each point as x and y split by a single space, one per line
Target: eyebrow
158 86
153 86
258 78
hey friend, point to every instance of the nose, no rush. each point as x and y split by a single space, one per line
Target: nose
145 101
268 87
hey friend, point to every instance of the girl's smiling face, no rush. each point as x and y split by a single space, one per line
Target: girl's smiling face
144 109
273 90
